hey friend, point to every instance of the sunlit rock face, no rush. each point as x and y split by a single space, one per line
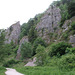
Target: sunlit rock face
49 22
13 33
24 39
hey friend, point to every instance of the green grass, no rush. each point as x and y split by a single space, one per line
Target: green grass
2 71
40 70
44 71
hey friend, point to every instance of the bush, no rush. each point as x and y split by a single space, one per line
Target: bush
10 63
40 49
32 35
26 50
67 61
73 26
41 55
70 50
64 14
71 8
59 49
65 36
37 42
15 49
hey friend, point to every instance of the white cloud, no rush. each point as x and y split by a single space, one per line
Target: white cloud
20 10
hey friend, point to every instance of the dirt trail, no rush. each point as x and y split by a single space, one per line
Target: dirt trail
12 72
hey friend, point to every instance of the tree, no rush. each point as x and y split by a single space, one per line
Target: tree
26 50
2 51
41 55
32 34
71 8
37 42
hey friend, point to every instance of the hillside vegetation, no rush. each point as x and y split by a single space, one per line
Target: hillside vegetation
54 58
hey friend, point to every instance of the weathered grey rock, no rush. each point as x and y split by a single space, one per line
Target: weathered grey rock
13 33
48 22
24 39
72 40
32 63
66 25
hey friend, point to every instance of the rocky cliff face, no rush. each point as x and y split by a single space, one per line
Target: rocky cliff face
48 23
49 28
13 33
24 39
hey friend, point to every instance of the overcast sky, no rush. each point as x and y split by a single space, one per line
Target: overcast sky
12 11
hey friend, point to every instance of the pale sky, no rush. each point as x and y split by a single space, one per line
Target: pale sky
12 11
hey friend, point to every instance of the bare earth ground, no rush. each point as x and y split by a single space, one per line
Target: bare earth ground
12 72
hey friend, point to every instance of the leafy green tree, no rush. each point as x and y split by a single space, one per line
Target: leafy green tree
41 55
40 49
23 30
26 50
2 39
32 34
37 42
25 27
71 8
64 13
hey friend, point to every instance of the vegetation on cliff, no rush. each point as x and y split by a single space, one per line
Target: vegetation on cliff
56 57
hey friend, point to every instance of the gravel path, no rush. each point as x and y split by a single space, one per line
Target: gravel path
12 72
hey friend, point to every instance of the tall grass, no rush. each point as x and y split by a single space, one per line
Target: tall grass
2 71
46 70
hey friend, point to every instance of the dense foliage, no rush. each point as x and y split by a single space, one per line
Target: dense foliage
67 61
41 55
59 49
57 57
26 27
37 42
32 35
26 50
67 9
10 63
2 47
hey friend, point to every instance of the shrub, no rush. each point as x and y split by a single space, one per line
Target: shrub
65 36
26 50
10 63
15 49
37 42
73 26
64 14
71 8
70 50
32 35
40 49
41 55
67 61
59 49
51 35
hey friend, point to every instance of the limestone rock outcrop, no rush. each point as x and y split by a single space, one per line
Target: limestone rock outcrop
24 39
49 22
72 40
13 33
